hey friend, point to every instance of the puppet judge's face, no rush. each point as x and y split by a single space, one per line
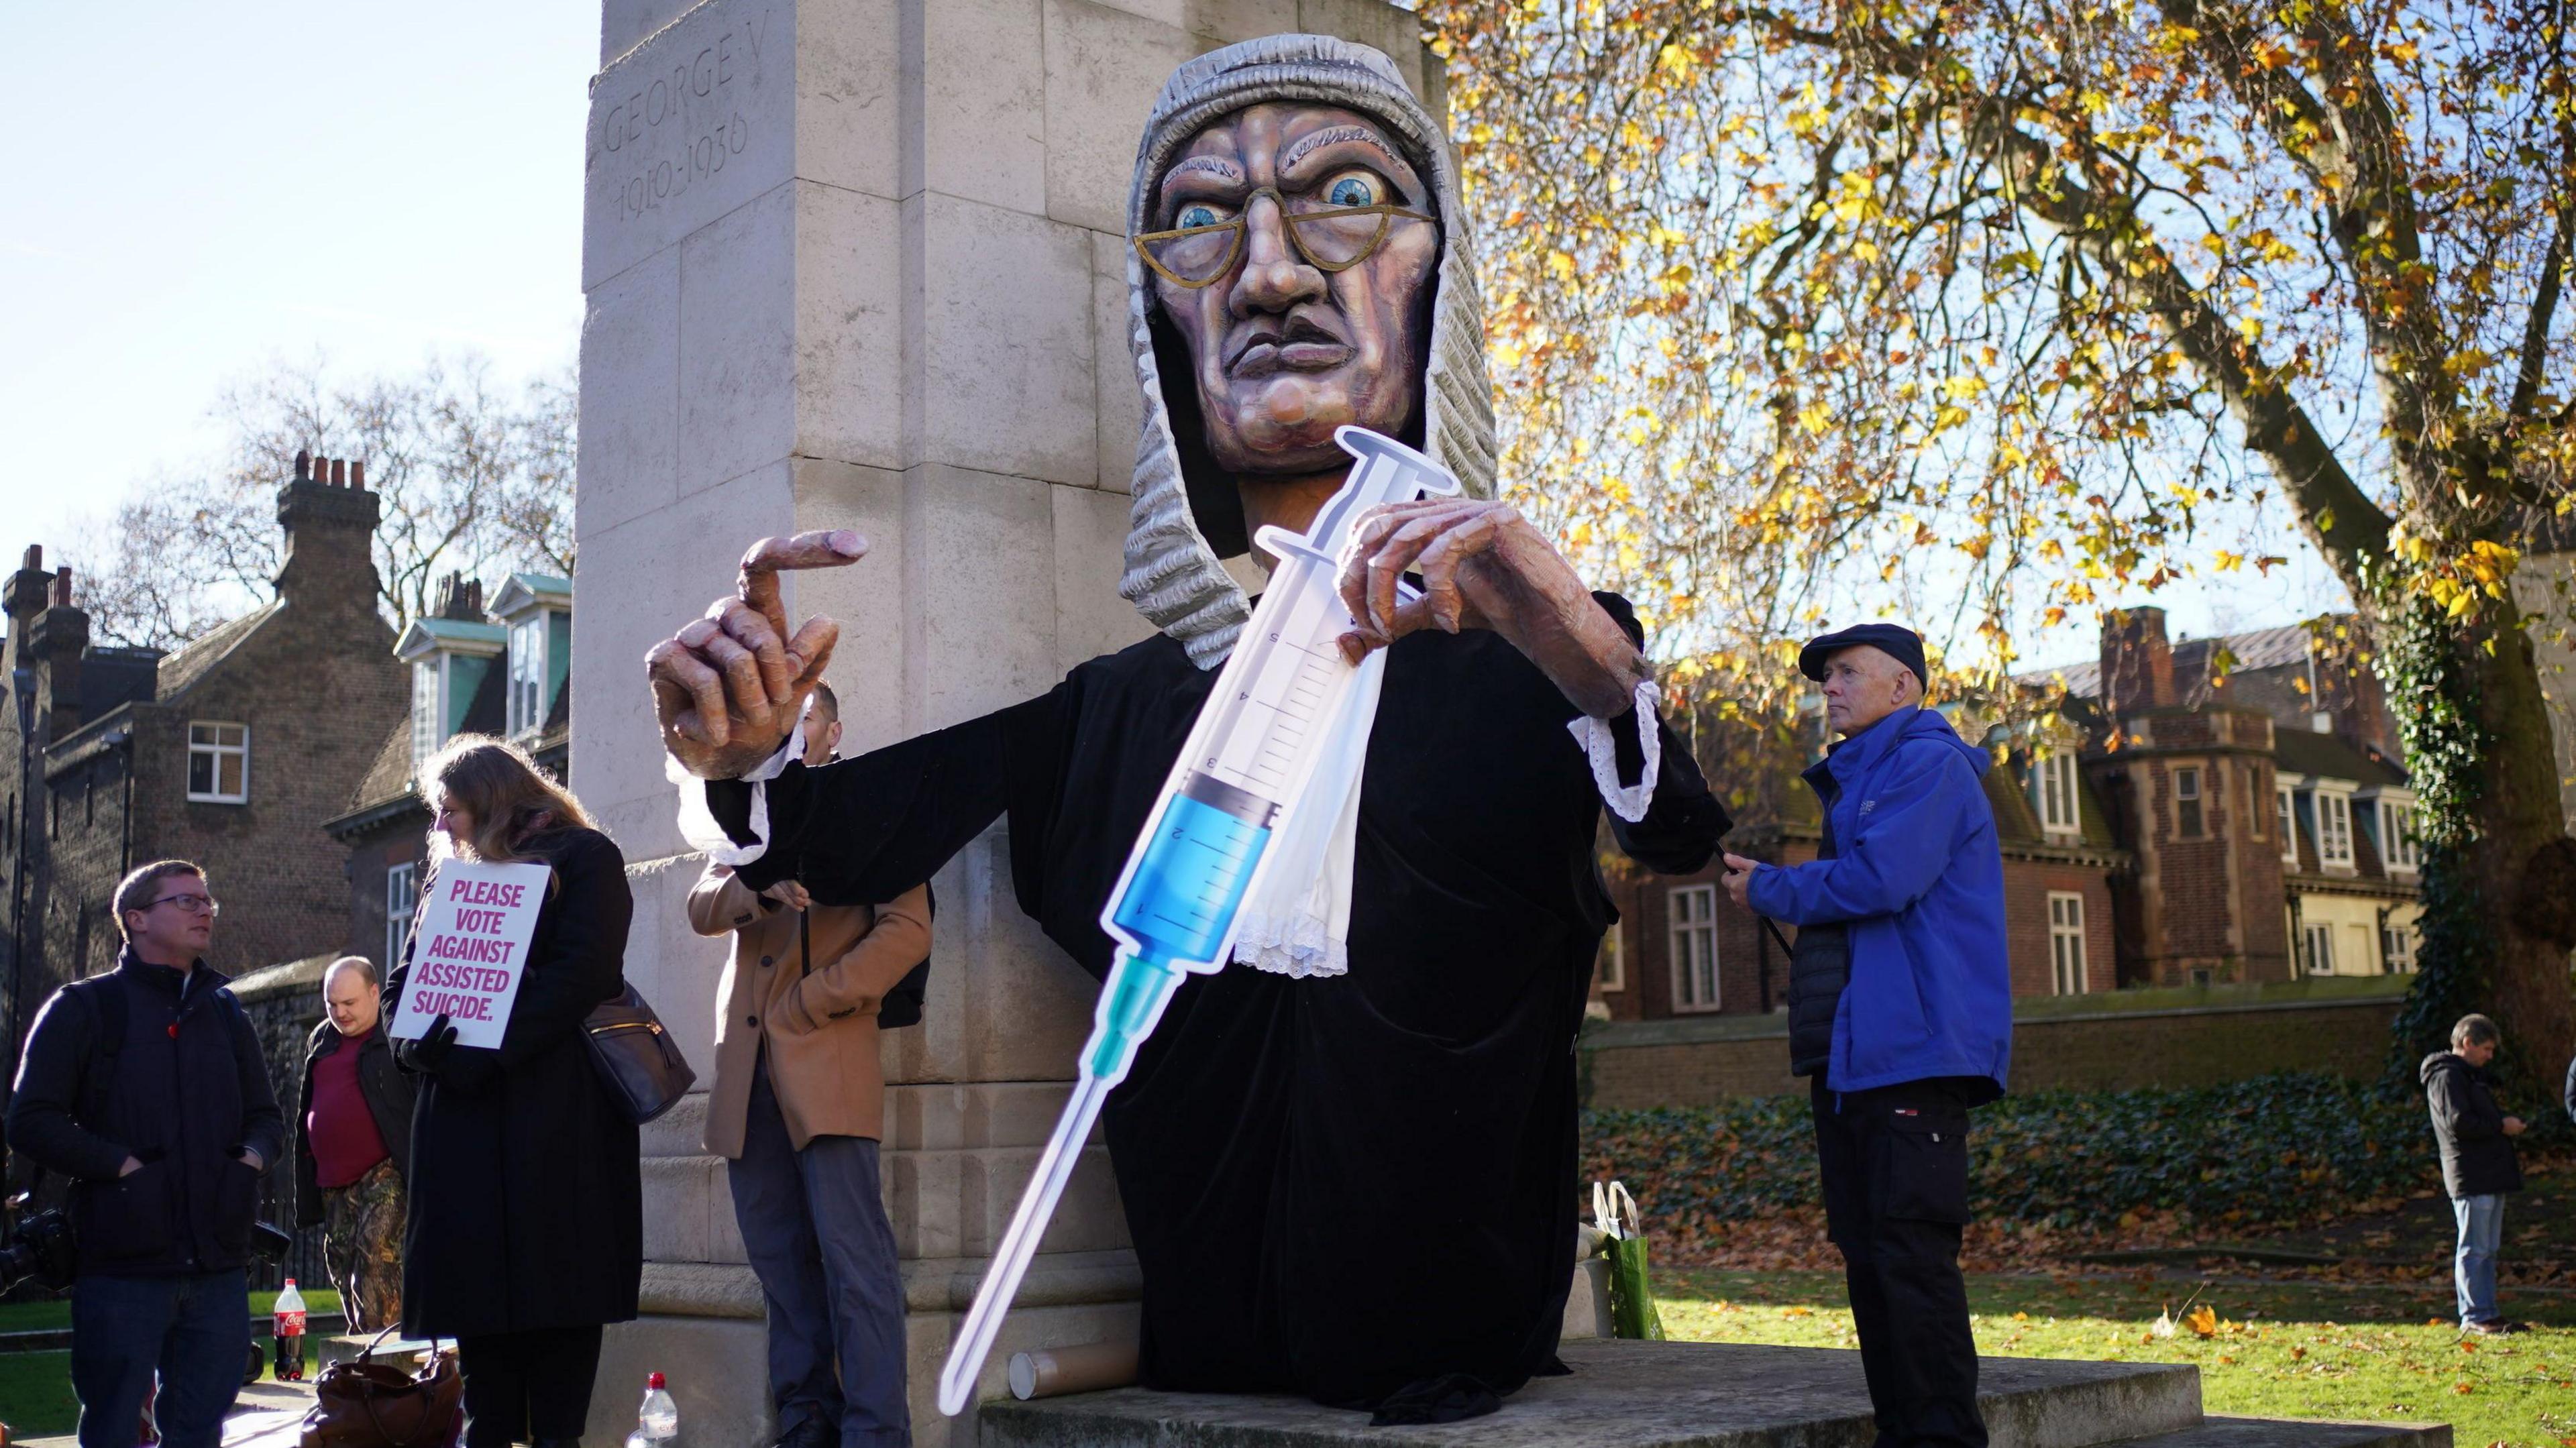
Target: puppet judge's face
1283 346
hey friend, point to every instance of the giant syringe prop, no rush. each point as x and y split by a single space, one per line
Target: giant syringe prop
1243 772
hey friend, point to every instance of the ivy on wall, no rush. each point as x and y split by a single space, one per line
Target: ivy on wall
2427 690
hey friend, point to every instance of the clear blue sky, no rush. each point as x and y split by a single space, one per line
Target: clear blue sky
195 189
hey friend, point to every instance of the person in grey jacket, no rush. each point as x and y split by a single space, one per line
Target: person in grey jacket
2478 1164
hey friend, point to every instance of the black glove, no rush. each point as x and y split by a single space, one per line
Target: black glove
431 1051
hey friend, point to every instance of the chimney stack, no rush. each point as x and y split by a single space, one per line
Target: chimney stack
330 536
460 597
55 641
2137 662
25 597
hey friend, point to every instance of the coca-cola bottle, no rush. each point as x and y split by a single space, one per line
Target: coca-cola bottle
288 1320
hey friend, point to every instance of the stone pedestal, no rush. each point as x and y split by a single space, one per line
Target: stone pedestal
1703 1395
861 263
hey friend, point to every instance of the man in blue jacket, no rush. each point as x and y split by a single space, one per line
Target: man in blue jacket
1900 1015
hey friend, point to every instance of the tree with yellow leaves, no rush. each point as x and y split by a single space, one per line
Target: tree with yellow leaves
2000 299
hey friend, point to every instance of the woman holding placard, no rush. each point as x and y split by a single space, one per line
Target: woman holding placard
526 1231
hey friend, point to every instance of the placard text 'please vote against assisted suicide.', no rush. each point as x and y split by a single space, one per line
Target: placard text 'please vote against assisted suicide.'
472 949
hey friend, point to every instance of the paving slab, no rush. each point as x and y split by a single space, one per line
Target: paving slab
1625 1394
2299 1433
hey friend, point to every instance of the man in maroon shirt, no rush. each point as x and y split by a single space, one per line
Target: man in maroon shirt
353 1145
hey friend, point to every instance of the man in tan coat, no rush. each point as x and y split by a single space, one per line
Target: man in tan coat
796 1110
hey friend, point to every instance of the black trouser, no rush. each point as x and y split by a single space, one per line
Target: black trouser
522 1387
1895 1168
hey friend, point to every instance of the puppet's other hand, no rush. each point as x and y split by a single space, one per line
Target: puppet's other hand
1483 565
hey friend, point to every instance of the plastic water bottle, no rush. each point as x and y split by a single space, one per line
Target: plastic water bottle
657 1423
288 1321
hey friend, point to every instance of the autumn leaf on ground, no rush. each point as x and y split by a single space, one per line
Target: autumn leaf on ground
2202 1320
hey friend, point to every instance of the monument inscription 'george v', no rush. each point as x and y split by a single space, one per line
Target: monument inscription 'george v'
696 127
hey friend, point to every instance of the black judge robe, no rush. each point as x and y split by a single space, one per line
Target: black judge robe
1345 1186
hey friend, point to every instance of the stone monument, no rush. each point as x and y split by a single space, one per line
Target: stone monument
863 264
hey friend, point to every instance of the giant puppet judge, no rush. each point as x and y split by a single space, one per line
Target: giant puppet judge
1300 261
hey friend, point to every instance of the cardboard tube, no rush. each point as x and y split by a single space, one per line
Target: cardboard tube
1083 1368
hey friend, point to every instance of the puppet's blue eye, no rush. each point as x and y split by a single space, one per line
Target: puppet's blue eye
1352 191
1197 213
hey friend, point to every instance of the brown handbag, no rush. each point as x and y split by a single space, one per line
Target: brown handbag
366 1404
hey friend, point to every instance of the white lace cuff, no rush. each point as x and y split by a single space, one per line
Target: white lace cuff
698 823
1628 801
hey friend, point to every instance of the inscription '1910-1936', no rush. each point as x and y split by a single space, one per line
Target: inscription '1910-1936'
679 128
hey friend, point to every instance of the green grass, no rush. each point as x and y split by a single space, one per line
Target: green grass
56 1314
2282 1350
37 1389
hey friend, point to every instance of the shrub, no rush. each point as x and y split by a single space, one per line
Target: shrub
2273 1151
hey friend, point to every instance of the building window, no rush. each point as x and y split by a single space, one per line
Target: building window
1694 917
2253 816
2187 817
399 889
2288 818
2396 949
219 763
527 673
2320 942
2066 941
1612 972
2334 830
2052 787
2397 846
425 733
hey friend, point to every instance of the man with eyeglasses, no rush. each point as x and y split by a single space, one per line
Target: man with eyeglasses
147 1088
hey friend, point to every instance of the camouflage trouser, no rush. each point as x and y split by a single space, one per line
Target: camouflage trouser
362 1229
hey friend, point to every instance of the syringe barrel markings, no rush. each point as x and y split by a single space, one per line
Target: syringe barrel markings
1294 669
1185 890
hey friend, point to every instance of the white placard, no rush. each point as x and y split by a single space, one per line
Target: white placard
470 951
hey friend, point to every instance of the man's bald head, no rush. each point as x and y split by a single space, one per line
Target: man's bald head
1864 684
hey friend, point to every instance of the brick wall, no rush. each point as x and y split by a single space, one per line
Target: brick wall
2205 902
2235 1034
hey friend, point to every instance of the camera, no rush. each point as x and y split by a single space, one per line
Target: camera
38 1245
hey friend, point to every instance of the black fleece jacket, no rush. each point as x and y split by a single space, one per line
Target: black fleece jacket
188 1095
2477 1157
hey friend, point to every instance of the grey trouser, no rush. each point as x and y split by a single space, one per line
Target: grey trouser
815 1229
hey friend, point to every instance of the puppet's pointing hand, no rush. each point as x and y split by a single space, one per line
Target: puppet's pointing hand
729 687
1484 566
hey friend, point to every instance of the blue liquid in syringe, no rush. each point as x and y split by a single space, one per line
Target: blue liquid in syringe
1191 881
1182 898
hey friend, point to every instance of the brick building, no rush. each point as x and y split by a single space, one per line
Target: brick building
228 751
503 671
1682 947
2210 812
2258 779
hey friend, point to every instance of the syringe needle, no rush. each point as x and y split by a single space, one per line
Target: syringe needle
1011 1261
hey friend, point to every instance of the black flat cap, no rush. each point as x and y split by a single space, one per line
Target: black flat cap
1894 640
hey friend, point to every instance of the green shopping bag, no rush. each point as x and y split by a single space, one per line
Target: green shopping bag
1632 1295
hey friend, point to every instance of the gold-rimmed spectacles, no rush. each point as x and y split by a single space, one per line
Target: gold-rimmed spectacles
1331 238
